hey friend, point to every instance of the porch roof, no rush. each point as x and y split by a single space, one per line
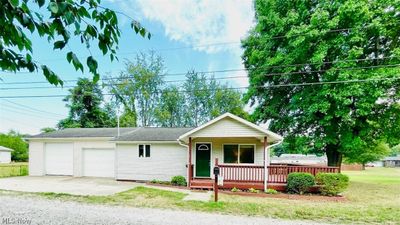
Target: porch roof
229 125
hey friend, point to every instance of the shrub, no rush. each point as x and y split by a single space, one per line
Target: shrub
160 182
299 182
332 183
252 190
178 180
271 191
234 189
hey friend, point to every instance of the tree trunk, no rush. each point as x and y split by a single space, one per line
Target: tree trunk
334 156
363 166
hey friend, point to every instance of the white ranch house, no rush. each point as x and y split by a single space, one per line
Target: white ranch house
148 153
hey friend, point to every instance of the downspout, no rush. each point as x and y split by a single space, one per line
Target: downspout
187 147
265 162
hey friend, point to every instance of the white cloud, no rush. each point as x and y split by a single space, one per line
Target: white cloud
199 23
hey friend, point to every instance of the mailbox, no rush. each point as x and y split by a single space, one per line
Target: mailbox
216 170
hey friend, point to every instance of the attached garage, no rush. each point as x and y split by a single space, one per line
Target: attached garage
59 158
98 162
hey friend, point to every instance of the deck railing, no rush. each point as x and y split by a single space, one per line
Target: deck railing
242 173
278 174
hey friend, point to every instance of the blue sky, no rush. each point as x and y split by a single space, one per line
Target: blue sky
201 35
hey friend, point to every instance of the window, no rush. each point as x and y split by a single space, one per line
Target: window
235 153
144 151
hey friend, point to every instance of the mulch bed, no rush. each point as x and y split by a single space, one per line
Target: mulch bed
167 185
288 196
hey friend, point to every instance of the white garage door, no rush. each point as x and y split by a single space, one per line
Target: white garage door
59 158
98 162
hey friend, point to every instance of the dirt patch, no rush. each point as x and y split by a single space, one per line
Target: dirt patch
289 196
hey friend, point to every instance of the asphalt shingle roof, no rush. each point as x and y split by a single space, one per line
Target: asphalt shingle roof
126 134
153 134
84 132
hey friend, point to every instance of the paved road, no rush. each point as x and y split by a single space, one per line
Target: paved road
33 210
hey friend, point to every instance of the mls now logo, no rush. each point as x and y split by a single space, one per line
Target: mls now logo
10 220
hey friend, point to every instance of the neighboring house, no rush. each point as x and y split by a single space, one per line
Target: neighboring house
5 154
391 161
300 159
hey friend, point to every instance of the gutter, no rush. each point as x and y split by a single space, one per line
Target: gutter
265 163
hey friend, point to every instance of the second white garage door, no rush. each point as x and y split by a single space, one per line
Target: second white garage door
98 162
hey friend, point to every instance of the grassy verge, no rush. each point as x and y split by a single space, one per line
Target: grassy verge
372 198
13 169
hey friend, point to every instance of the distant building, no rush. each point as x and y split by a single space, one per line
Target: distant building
299 159
391 161
5 154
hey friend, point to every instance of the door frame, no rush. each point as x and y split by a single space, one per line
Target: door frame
195 156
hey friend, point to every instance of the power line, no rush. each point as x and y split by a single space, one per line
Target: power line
221 43
25 107
264 68
239 88
43 119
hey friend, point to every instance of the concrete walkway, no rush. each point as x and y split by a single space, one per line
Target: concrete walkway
66 184
203 196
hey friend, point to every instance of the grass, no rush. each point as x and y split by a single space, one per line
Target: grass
13 169
373 197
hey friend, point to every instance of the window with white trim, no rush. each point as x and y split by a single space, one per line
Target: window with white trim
238 153
144 151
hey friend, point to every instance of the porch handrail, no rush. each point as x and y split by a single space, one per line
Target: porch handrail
242 173
279 174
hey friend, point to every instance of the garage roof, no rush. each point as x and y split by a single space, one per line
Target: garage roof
153 134
126 134
83 133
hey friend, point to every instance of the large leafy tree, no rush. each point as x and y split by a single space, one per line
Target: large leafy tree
370 154
14 141
85 107
59 22
304 41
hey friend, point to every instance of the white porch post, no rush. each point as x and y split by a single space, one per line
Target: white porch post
266 163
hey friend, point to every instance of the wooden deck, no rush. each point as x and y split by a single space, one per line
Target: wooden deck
252 176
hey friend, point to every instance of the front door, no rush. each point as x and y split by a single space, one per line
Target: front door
203 159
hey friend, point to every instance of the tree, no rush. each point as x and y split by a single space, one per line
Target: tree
138 88
59 22
206 99
372 154
298 42
171 109
47 129
84 103
14 141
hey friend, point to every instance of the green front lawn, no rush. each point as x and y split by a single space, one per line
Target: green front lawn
373 197
13 169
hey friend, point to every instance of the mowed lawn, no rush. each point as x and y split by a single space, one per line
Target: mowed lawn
13 169
372 198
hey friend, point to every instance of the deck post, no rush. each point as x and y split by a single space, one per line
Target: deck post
190 162
265 164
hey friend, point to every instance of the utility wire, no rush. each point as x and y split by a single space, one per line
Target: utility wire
237 70
226 43
239 88
25 107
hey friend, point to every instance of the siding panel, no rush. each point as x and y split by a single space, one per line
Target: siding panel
165 161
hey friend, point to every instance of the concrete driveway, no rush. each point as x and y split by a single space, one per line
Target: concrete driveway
65 184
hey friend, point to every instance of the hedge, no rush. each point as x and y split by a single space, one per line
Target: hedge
332 183
299 182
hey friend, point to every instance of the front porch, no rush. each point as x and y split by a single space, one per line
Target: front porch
247 176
